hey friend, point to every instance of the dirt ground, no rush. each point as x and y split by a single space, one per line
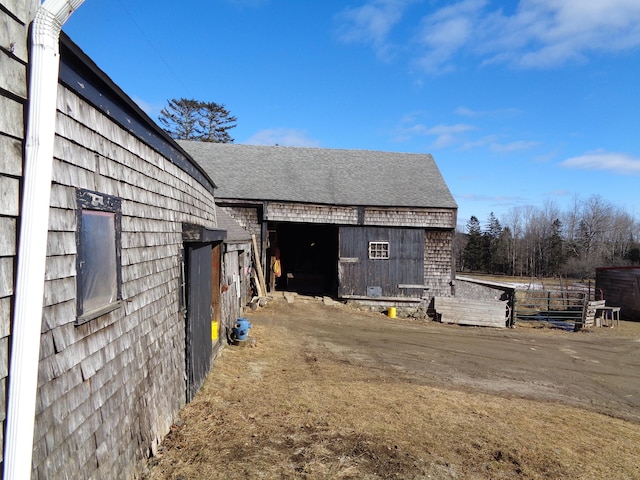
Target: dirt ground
326 391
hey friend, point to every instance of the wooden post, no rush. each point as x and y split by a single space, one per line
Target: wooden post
263 286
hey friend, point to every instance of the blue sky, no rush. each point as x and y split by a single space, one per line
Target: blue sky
520 102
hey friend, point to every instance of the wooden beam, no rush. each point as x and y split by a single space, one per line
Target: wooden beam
263 285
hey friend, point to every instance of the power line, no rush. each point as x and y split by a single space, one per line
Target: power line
153 47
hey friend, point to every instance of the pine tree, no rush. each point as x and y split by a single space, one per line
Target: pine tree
180 119
473 252
215 122
188 119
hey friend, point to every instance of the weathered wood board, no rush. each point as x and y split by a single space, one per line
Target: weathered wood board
464 311
593 316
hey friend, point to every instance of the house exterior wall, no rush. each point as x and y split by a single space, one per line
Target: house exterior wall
109 390
15 17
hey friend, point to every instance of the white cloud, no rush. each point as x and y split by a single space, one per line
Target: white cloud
534 34
499 112
445 32
445 135
620 163
371 24
513 146
286 137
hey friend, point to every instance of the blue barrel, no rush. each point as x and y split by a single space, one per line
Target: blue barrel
241 329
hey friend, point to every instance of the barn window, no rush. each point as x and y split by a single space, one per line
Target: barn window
98 260
379 250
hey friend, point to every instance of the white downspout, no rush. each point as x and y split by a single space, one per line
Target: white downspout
34 225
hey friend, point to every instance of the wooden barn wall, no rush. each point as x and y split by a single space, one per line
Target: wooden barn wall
15 17
302 213
109 390
341 215
357 272
419 218
438 262
236 275
621 288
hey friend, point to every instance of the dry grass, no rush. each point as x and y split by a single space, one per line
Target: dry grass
289 409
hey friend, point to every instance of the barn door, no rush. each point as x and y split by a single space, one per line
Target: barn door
198 321
380 262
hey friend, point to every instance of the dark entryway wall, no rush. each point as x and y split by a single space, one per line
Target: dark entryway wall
308 256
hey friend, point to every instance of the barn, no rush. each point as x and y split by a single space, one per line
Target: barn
110 262
365 226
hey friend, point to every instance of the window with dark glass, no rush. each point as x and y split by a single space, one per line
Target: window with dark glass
98 259
379 250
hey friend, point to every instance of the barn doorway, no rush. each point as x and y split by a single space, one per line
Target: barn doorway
308 256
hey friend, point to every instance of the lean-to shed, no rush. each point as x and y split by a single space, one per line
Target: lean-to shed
235 282
117 322
370 226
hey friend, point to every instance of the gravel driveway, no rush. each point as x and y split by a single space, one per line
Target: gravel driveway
598 369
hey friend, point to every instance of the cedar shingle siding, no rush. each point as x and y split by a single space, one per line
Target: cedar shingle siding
109 389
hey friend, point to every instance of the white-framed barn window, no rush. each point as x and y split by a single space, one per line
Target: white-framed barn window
98 269
379 250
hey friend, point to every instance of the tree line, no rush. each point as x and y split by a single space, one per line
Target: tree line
547 242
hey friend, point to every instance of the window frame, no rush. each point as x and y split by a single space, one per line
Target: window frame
87 200
379 250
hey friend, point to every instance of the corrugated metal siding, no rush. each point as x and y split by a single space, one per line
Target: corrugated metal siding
358 273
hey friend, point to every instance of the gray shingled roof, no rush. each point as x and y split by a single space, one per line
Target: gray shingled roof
235 232
325 176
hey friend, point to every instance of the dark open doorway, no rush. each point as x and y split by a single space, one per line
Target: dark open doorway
308 257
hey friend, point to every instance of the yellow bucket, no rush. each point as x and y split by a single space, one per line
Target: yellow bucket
391 312
214 330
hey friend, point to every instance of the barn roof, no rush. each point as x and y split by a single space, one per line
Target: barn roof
235 233
324 176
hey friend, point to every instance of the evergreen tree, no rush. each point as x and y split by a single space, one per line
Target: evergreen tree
180 119
473 252
215 122
188 119
554 250
492 255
